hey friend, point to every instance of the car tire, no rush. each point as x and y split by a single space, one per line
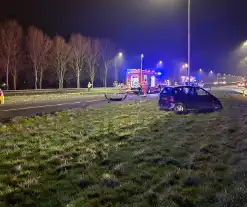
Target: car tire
179 108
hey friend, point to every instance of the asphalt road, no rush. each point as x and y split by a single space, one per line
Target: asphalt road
9 111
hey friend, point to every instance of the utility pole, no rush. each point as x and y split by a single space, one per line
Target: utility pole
142 56
189 42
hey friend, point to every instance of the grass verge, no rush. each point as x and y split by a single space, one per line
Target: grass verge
32 98
126 155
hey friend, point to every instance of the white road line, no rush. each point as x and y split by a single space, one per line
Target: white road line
44 106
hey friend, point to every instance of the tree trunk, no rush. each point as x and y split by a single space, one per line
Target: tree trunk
92 74
60 81
35 78
7 75
14 80
106 74
78 78
40 79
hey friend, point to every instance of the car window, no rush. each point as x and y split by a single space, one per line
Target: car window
168 91
189 91
201 92
184 91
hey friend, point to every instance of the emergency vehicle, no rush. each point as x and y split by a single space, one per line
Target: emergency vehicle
133 79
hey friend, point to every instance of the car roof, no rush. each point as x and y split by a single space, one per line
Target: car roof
174 87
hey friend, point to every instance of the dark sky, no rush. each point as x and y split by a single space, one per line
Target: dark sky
157 28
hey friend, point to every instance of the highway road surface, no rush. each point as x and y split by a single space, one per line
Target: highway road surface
9 111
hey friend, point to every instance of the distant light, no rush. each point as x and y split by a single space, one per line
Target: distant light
159 73
160 62
211 71
142 56
245 44
120 54
200 70
185 65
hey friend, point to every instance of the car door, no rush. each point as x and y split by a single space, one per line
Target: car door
187 97
203 99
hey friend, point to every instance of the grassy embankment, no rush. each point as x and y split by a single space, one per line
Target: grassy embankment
12 98
126 155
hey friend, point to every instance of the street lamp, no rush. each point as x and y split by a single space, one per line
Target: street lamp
200 70
120 54
142 56
159 64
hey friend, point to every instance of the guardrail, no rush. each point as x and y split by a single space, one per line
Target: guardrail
56 91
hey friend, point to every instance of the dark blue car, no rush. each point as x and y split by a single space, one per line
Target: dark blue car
188 98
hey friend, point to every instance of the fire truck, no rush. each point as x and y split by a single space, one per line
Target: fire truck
133 79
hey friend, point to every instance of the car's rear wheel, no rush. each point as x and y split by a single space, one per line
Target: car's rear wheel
179 108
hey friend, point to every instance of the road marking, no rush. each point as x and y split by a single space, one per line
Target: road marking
44 106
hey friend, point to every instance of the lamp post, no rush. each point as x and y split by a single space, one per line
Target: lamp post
189 44
120 55
142 56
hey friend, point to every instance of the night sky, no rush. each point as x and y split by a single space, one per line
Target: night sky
157 28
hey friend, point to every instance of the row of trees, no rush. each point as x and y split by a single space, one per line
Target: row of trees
80 56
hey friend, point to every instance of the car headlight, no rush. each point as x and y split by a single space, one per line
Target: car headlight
215 83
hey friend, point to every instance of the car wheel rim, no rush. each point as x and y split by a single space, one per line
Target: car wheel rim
179 108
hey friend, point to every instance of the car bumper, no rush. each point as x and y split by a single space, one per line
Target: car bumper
166 106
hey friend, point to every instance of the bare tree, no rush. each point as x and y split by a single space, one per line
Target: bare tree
108 53
10 46
16 66
61 56
93 55
45 58
39 46
78 56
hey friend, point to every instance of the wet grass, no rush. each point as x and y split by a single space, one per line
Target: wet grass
126 155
